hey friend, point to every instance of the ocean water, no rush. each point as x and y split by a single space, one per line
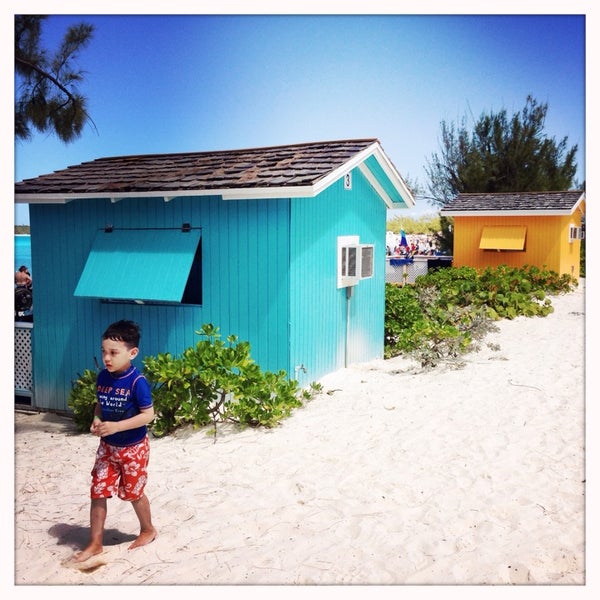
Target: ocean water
23 252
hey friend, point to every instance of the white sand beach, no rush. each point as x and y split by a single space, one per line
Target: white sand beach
392 476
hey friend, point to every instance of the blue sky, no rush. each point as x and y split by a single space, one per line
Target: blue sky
179 83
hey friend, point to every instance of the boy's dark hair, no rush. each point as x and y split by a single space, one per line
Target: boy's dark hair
124 331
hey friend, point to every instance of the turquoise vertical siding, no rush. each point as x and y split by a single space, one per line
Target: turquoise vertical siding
319 340
245 256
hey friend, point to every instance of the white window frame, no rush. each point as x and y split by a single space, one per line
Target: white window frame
575 233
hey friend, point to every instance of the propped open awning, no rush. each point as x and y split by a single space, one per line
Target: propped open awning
503 238
139 264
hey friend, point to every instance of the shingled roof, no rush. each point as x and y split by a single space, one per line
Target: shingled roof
299 169
514 203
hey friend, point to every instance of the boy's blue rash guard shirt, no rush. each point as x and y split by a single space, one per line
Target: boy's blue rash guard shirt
123 396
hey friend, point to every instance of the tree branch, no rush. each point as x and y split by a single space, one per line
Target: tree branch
47 75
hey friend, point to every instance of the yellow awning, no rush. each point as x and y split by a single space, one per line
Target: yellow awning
503 238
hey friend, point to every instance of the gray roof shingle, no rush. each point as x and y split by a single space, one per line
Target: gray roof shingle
514 202
276 166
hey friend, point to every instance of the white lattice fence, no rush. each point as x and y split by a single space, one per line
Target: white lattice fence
404 273
23 361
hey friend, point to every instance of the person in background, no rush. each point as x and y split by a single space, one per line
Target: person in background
23 277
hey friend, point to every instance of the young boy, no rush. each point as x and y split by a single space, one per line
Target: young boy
123 409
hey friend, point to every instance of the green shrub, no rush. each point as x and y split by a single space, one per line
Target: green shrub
216 381
82 399
210 383
403 321
447 312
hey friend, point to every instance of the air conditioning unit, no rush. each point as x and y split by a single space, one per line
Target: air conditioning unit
367 252
355 261
575 233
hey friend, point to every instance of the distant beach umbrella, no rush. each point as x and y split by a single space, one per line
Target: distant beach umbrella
403 241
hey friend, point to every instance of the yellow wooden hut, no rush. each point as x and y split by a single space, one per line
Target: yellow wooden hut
542 229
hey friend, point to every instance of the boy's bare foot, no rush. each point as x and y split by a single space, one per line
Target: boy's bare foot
87 553
144 538
87 566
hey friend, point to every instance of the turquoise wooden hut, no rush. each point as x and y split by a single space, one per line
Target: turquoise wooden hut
282 246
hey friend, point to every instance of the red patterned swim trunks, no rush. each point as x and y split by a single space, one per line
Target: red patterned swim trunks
120 470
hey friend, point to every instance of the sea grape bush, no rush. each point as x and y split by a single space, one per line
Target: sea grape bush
447 312
82 399
432 333
216 381
213 382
